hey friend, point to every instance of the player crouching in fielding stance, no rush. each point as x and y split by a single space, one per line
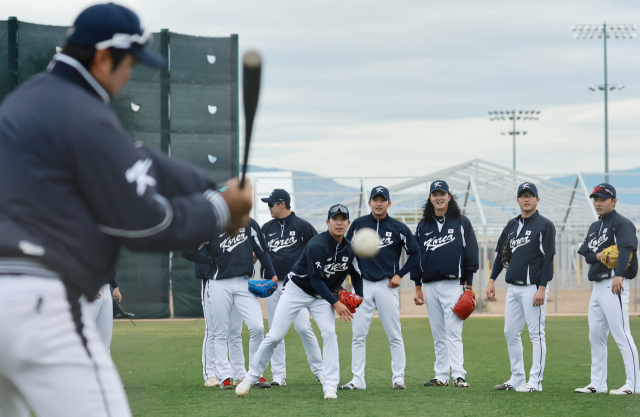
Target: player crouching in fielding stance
609 304
526 246
448 258
322 268
381 278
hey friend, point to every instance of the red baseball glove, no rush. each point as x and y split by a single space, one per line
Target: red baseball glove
350 300
465 305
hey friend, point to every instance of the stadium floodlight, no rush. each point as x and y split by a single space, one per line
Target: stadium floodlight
605 31
514 115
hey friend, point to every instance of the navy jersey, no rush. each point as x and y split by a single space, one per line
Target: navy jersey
204 265
286 238
74 188
448 250
611 229
533 241
394 236
324 265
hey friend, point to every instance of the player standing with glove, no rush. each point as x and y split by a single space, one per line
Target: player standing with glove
381 276
448 260
325 263
526 247
609 304
62 144
286 236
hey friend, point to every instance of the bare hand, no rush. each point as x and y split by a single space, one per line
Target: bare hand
239 202
395 281
538 298
616 285
117 295
343 312
255 258
598 256
275 279
419 297
97 297
491 291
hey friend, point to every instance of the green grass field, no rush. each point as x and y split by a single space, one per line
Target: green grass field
160 363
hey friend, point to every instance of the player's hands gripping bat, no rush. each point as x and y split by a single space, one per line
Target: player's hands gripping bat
465 305
251 69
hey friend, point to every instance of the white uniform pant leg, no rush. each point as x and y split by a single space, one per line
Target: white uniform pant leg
293 299
101 311
43 360
325 317
278 359
388 304
208 351
514 320
450 292
249 308
598 335
535 317
302 324
236 350
221 303
360 328
438 330
616 309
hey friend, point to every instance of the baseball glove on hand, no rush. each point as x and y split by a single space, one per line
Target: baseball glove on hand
465 305
263 288
609 257
349 299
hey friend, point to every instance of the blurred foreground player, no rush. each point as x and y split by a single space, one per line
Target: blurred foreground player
73 190
322 268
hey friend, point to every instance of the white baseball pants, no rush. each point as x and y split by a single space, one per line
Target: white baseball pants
519 310
52 359
387 301
102 312
304 329
446 327
224 294
292 301
608 312
236 352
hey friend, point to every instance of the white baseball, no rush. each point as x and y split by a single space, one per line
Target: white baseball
365 243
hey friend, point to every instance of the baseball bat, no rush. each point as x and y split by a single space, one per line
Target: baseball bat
251 69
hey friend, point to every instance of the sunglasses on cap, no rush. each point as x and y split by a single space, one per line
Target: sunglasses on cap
601 190
339 209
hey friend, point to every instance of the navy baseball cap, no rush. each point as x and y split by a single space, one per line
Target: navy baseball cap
338 209
527 186
383 191
439 185
278 196
112 26
603 190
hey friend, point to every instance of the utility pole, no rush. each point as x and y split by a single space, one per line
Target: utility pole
514 115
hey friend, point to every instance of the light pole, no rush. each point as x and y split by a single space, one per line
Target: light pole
514 115
605 31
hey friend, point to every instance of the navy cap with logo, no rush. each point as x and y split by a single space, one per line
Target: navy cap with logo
439 185
527 186
278 196
603 190
112 26
383 191
338 209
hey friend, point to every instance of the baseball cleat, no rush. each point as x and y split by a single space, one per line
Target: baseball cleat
399 385
503 387
243 388
348 386
262 383
330 395
226 384
620 391
526 388
237 382
279 383
461 383
586 390
212 382
435 382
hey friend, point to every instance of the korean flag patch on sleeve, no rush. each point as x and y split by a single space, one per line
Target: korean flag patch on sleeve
345 258
292 233
388 234
527 233
241 230
450 231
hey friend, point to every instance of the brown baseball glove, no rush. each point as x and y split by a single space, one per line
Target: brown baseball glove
465 305
349 299
609 257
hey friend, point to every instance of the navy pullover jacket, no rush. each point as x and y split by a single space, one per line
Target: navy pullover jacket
286 238
394 236
448 250
611 229
74 189
323 267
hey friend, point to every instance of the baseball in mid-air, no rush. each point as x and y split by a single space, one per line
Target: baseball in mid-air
365 243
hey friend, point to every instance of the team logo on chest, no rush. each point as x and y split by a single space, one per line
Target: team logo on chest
595 243
331 269
276 244
436 242
231 243
516 243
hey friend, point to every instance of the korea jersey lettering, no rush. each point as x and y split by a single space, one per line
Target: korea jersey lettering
324 265
611 229
394 236
533 241
286 238
448 249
